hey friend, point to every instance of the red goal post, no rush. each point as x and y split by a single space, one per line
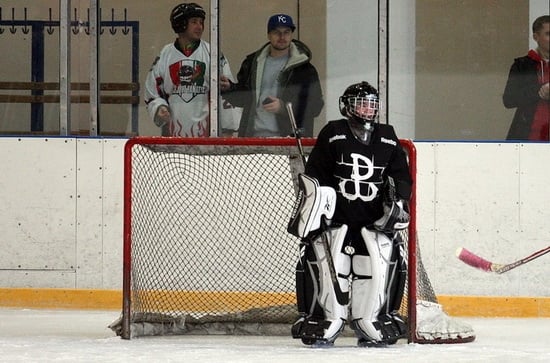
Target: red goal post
193 262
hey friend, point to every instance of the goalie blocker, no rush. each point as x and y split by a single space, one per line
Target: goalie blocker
315 205
377 268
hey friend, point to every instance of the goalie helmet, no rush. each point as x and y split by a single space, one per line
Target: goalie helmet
181 14
360 102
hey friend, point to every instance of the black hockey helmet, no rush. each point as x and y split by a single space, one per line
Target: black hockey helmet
181 14
360 102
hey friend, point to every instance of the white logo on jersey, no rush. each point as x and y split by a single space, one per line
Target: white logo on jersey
363 169
337 137
188 77
388 141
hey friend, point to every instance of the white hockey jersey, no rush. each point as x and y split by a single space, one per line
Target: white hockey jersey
183 84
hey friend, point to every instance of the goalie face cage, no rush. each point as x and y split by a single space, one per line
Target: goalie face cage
205 241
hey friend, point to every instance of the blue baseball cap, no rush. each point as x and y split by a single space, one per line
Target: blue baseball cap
278 20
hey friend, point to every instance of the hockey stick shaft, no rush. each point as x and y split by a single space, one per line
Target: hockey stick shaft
476 261
523 261
297 135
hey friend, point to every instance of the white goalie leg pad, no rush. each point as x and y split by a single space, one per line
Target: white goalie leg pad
333 298
312 204
369 294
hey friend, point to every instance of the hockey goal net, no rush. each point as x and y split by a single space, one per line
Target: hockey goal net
205 244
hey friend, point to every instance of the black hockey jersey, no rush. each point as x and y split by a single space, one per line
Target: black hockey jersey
357 171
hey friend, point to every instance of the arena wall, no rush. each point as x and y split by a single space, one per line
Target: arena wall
62 206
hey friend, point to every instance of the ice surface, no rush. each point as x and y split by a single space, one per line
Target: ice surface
83 336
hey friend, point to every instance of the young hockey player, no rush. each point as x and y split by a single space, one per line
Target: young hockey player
353 198
177 86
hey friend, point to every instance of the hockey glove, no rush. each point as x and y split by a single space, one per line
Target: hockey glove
314 205
395 218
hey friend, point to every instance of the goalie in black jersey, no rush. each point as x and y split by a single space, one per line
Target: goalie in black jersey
353 198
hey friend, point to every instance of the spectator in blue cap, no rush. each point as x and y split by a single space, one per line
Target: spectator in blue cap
278 20
276 74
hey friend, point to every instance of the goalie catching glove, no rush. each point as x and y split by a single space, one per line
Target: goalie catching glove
396 217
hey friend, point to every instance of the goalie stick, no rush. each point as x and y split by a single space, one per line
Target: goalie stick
476 261
296 133
340 296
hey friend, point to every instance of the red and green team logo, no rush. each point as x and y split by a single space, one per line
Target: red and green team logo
188 77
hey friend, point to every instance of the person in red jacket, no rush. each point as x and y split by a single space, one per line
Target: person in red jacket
528 90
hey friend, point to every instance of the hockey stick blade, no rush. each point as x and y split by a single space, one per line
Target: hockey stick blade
476 261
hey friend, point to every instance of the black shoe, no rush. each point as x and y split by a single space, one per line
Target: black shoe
296 329
309 341
367 343
322 344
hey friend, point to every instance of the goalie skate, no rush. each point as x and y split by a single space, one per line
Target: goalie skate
317 331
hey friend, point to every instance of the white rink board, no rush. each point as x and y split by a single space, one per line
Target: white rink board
475 195
61 227
62 206
38 204
112 222
89 198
